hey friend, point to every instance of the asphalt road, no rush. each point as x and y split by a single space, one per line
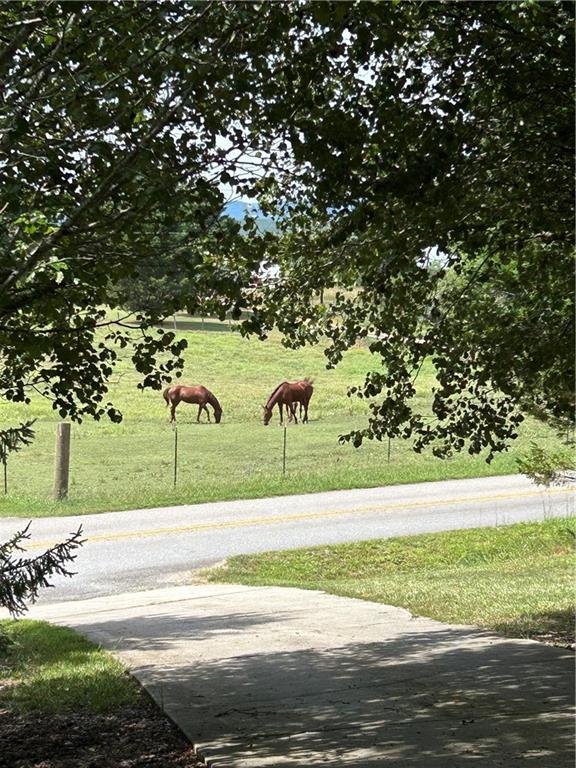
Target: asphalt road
149 548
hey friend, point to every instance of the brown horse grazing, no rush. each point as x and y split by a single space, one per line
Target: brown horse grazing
289 393
199 395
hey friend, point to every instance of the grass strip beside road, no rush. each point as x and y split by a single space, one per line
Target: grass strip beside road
53 669
517 580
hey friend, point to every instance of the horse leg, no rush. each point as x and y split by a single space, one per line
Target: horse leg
199 412
305 406
280 409
293 413
207 412
173 412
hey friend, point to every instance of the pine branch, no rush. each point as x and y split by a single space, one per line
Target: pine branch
22 578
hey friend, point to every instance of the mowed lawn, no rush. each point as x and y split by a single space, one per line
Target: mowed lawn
517 580
54 669
131 465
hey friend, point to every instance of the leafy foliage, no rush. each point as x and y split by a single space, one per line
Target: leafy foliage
434 149
104 138
169 281
14 439
547 467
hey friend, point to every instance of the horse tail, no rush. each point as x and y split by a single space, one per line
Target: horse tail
165 396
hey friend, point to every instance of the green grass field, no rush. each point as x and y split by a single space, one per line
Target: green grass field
517 580
130 465
53 669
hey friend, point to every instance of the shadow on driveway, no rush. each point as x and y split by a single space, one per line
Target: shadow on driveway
301 678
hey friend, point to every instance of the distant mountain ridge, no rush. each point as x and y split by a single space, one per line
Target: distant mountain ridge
239 208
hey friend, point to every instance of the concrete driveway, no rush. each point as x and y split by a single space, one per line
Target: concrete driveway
259 676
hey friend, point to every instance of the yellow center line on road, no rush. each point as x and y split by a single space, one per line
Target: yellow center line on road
256 521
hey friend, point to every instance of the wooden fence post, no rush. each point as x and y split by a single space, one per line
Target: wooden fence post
62 460
175 454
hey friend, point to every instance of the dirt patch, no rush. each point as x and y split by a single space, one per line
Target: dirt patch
131 737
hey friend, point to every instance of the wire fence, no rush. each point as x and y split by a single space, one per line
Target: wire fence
146 457
146 460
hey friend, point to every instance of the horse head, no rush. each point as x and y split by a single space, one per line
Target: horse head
267 415
217 415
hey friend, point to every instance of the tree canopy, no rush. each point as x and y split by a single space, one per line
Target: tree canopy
110 123
169 280
433 149
418 155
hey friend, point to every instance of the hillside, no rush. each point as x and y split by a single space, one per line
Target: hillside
238 209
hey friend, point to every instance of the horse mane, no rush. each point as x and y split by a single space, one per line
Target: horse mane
213 400
274 392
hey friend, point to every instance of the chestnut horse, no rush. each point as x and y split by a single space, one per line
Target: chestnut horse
199 395
289 393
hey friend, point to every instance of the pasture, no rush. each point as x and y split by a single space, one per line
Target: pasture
130 465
